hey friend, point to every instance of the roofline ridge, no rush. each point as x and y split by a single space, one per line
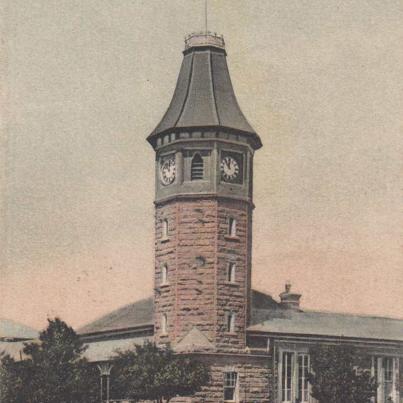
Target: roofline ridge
189 82
360 315
114 311
213 88
234 96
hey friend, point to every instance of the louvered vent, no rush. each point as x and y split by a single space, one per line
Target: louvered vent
197 172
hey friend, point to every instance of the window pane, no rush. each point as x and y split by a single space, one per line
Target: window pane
231 322
232 226
286 377
303 369
165 228
228 394
164 322
231 273
164 274
230 380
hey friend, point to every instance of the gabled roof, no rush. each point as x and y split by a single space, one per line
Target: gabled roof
311 323
204 96
194 340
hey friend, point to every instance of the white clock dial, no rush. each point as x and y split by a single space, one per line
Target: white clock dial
229 168
168 171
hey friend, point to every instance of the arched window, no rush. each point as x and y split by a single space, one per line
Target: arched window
165 229
231 273
232 227
197 170
164 274
164 323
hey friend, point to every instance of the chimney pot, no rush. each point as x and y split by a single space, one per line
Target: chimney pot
290 300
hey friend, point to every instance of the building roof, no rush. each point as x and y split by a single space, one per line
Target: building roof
204 96
311 323
17 331
139 313
13 335
267 315
103 350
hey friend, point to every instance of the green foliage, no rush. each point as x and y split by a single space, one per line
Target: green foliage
340 374
150 373
54 370
12 380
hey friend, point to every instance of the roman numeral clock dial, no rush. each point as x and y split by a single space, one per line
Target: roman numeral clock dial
168 170
231 167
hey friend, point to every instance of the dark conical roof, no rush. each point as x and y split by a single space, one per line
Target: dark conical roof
204 96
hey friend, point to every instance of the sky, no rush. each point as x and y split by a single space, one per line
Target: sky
85 82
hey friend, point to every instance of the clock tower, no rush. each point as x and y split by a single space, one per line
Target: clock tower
204 150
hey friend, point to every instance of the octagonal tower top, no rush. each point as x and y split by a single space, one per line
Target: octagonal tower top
201 39
204 99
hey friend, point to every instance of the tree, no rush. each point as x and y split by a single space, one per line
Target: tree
340 374
54 370
148 372
12 377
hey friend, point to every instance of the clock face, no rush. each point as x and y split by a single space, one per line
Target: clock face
231 167
168 170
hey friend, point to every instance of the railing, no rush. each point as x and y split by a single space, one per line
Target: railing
204 39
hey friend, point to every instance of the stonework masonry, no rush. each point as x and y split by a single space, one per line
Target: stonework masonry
254 374
197 252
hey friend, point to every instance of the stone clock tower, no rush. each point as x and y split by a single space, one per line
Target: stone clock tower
203 206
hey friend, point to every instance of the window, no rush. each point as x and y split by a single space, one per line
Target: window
231 273
386 372
293 373
230 322
164 229
232 227
164 274
230 386
286 377
303 371
164 323
197 169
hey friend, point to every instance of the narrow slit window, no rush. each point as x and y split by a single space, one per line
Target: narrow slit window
231 322
164 274
164 323
197 170
231 272
165 229
232 227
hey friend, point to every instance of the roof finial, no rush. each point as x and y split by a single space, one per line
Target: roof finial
206 14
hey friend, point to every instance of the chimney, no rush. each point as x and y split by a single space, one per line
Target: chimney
289 300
